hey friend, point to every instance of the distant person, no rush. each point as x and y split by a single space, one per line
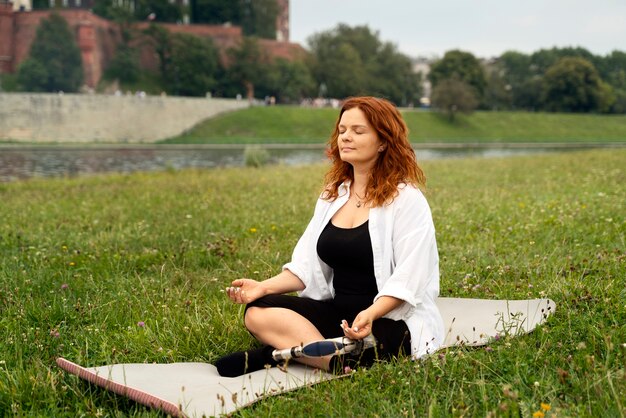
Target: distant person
367 262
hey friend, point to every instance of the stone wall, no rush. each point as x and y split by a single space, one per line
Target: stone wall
26 117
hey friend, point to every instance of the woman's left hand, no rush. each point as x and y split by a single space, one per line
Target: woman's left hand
361 326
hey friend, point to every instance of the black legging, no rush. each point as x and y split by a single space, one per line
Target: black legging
393 337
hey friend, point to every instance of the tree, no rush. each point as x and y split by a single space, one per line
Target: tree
352 60
194 64
453 95
613 70
32 76
189 65
117 10
619 105
124 66
337 65
572 84
215 11
391 75
161 10
521 83
247 65
514 67
161 41
55 50
460 65
139 10
543 59
290 81
497 92
256 17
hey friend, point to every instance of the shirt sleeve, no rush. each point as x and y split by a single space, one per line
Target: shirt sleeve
415 260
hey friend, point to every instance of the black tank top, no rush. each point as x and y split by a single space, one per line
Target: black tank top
349 252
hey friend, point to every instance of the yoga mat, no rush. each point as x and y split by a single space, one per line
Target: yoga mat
196 389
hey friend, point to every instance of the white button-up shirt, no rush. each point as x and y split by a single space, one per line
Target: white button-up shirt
406 262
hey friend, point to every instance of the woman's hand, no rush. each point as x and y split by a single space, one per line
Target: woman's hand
245 291
361 326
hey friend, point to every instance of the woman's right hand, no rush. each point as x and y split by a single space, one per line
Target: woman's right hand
245 291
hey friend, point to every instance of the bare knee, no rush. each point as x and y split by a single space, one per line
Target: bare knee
253 318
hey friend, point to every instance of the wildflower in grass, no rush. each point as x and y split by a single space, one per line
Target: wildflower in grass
496 337
64 286
253 230
545 407
54 333
488 349
538 414
141 324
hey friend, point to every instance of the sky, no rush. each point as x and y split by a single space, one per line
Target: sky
486 28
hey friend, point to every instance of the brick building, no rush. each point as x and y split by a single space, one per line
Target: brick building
282 21
98 37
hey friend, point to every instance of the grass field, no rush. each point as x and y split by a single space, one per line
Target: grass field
130 268
284 124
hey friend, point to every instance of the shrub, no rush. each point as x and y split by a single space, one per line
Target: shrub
255 156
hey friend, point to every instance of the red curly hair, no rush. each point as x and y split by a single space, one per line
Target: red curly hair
395 165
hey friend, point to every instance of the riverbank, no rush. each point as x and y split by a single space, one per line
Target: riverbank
20 162
124 268
285 124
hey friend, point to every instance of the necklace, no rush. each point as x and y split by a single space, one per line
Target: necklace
359 199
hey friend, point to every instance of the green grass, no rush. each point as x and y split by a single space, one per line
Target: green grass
284 124
85 260
280 124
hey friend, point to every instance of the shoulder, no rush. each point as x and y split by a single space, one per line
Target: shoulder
409 195
324 202
410 205
342 190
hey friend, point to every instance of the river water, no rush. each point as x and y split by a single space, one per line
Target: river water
22 162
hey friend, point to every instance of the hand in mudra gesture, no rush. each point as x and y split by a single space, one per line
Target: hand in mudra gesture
361 326
245 291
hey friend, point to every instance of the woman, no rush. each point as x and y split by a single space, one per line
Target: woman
367 262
